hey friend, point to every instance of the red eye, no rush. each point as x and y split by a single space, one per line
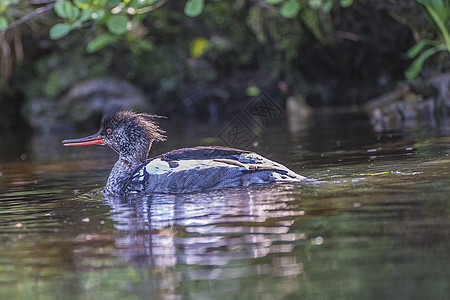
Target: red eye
109 130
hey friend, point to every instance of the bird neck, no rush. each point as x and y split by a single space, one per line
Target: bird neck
118 178
130 158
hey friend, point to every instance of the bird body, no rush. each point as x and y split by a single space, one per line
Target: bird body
184 170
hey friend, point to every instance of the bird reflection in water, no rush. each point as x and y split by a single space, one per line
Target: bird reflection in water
210 229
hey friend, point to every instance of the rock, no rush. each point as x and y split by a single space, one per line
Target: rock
83 105
40 114
297 112
441 83
409 103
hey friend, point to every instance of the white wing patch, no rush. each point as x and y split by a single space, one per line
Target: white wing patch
159 167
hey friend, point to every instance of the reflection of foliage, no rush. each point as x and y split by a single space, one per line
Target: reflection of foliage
440 15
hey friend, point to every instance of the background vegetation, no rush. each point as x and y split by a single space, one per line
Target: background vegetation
204 58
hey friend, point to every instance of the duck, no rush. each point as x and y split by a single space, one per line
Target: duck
186 170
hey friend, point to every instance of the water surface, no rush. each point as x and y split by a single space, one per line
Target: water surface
374 225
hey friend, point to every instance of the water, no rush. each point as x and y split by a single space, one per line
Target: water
375 224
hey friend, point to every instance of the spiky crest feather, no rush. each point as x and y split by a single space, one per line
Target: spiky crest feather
117 116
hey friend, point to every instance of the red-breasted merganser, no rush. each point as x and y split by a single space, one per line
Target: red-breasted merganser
179 171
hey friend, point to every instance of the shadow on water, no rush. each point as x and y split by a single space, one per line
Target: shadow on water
374 225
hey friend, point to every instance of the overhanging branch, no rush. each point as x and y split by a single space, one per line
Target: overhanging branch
29 16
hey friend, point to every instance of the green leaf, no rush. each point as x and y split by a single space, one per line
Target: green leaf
59 30
98 14
273 1
438 5
315 4
85 15
198 47
290 9
414 69
117 24
414 50
440 17
194 8
327 6
346 3
60 8
3 22
253 91
146 45
82 4
101 42
66 10
113 3
141 46
141 3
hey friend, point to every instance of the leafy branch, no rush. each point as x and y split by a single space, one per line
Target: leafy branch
4 26
291 8
440 15
114 20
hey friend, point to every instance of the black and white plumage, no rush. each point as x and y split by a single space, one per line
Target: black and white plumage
179 171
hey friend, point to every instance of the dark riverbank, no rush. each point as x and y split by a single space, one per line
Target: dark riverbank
211 66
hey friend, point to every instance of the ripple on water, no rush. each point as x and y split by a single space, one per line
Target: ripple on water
374 225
